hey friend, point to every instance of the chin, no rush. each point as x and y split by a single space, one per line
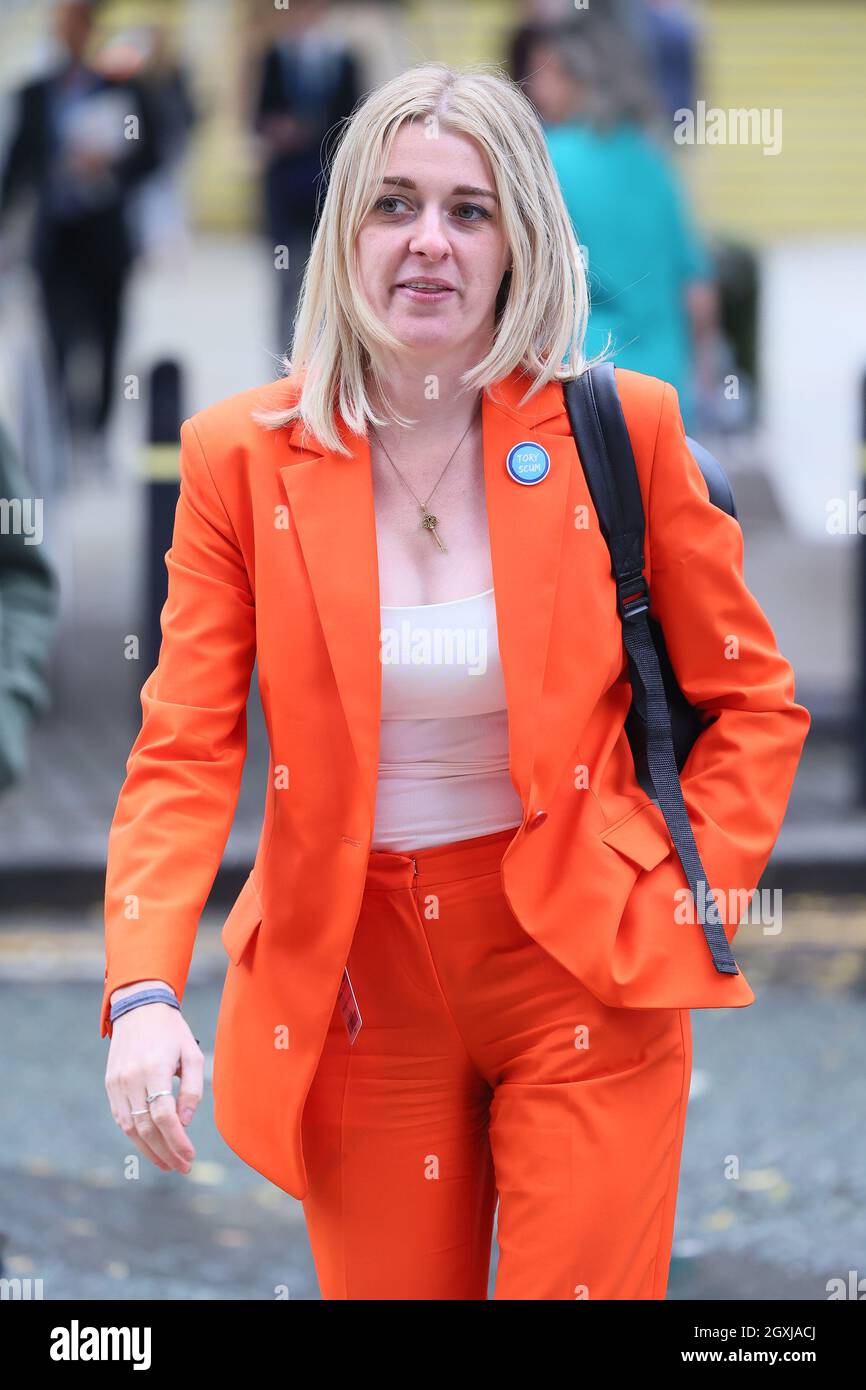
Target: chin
421 336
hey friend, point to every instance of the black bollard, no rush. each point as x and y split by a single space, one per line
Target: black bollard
161 476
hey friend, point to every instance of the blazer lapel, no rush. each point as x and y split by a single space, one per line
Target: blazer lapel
526 534
331 501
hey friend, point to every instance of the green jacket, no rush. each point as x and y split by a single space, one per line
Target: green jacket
29 607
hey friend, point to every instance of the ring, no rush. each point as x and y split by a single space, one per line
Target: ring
139 1112
149 1098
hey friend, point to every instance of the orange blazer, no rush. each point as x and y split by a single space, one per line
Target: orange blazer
274 557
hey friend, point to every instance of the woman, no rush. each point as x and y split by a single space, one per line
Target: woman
457 966
651 278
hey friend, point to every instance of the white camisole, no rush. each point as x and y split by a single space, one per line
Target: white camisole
443 758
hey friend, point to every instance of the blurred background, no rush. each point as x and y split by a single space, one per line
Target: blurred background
160 164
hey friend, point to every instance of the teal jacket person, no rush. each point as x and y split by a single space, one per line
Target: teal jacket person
640 245
29 609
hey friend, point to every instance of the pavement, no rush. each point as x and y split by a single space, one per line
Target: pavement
772 1194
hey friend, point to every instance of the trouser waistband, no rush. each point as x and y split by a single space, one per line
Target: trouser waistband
481 854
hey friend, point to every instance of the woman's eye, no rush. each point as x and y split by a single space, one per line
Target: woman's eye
472 207
390 198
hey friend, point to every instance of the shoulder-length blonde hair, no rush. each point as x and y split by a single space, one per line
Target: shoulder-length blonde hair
542 304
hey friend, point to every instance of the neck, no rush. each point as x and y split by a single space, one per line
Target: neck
432 395
446 436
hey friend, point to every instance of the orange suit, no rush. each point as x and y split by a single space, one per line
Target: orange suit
274 556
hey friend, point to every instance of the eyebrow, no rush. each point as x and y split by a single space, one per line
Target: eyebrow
400 181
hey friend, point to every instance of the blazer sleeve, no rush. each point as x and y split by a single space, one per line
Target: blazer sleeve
738 776
183 774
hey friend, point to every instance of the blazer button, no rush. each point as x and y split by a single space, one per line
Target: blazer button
538 818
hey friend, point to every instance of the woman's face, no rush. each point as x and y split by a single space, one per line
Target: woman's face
435 218
550 87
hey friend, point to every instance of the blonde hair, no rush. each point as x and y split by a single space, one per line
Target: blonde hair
542 305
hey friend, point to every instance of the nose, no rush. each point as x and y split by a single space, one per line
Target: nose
428 235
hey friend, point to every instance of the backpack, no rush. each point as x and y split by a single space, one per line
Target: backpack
661 725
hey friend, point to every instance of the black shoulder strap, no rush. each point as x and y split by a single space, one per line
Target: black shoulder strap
605 451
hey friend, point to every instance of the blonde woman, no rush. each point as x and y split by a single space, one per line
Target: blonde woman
457 969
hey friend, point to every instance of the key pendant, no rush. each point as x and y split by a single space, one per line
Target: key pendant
430 523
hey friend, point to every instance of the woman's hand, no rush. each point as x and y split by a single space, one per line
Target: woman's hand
149 1045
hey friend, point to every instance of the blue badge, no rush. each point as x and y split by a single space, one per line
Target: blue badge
528 463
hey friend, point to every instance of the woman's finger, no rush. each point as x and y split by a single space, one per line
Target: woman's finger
147 1122
168 1131
125 1121
191 1072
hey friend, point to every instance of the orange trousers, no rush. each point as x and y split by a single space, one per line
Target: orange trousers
484 1069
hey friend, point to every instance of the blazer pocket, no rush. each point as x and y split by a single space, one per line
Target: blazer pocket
245 916
642 835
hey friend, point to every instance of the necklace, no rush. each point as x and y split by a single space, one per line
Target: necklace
428 520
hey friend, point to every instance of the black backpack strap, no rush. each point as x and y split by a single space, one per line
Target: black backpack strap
604 446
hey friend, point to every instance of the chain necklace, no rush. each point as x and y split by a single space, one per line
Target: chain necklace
428 520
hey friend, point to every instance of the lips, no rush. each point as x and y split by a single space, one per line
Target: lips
432 286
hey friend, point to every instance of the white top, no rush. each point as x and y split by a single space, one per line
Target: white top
443 758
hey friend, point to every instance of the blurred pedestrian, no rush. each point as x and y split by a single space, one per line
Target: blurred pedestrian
651 277
82 141
160 200
309 82
669 33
